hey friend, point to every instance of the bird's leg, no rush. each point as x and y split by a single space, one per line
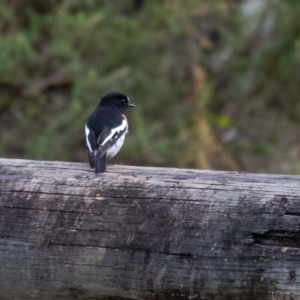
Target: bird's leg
118 162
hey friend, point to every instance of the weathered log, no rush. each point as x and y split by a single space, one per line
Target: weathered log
146 233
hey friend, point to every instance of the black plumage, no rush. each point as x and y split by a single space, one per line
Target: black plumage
105 129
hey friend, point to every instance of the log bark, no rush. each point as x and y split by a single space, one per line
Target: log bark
146 233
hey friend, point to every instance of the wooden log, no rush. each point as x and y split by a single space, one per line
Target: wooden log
146 233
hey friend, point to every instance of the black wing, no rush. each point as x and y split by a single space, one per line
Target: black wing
91 145
104 128
109 137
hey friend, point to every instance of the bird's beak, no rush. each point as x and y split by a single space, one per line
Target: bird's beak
131 105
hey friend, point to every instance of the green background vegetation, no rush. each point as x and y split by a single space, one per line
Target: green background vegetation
216 83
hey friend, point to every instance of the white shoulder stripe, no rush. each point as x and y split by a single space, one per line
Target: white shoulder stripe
122 127
87 131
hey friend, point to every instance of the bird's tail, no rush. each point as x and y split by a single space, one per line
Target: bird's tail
101 164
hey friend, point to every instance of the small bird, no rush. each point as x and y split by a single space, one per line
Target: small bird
105 130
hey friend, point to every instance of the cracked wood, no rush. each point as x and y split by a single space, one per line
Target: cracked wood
146 233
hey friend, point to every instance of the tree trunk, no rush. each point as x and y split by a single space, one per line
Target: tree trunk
146 233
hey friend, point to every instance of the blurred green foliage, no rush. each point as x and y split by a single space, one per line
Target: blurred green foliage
215 83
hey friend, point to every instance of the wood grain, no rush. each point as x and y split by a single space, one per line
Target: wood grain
146 233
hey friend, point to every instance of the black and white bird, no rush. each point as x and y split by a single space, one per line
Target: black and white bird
105 129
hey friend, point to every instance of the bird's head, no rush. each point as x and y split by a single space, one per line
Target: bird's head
116 99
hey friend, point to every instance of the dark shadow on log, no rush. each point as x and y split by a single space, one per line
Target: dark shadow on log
146 233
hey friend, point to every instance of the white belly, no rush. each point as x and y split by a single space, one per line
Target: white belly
116 147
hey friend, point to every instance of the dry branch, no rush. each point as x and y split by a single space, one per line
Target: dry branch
146 233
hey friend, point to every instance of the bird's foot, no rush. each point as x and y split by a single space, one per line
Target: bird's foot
118 162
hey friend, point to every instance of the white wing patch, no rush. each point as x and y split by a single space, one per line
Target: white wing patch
112 143
118 129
